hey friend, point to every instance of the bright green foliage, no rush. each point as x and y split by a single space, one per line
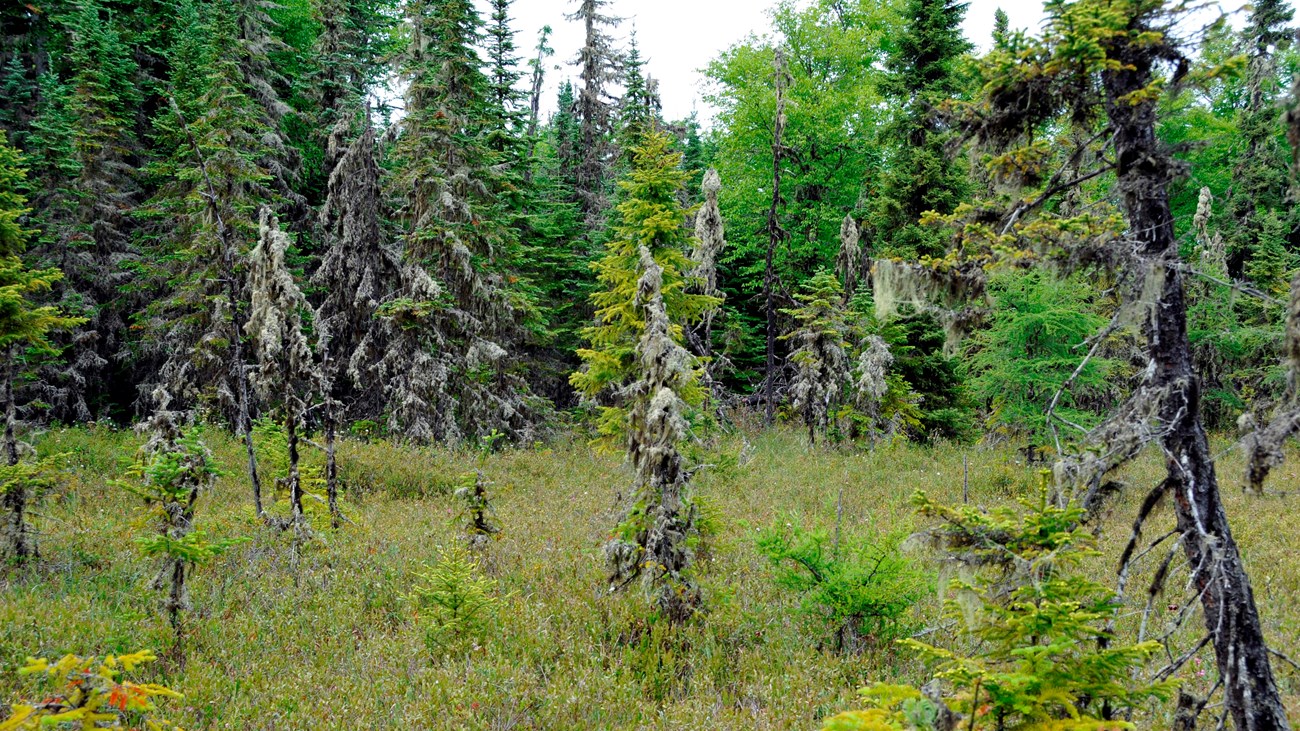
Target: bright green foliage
89 693
1037 336
457 606
13 201
1045 657
850 588
649 216
272 443
833 49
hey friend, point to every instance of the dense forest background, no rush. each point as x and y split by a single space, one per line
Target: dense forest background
409 156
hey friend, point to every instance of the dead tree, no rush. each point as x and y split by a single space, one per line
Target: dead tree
775 234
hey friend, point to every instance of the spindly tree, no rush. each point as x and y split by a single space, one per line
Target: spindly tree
598 63
646 381
287 377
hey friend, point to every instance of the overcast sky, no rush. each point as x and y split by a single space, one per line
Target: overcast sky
680 37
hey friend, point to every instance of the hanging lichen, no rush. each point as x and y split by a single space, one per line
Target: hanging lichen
287 375
653 540
818 352
849 262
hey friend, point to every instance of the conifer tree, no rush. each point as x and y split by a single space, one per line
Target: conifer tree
922 75
566 129
599 65
358 273
175 468
1260 179
287 377
819 352
636 366
84 209
25 330
639 109
213 180
452 184
506 113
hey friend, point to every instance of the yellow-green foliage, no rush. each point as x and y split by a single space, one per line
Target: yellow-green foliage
650 215
89 693
1044 657
455 602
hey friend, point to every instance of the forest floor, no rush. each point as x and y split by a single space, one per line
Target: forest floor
327 637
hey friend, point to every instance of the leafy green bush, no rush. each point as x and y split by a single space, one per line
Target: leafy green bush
854 590
1044 656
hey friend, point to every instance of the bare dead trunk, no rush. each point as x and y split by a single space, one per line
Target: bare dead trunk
295 479
17 536
776 235
331 463
1143 173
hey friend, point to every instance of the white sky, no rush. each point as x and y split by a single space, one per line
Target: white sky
679 37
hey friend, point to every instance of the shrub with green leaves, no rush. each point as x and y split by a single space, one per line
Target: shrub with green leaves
1044 654
89 693
851 588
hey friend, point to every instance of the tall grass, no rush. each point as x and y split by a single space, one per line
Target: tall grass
335 644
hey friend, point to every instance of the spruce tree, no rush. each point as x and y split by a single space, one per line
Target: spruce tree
636 366
922 74
358 272
1260 179
639 109
599 64
25 331
452 184
86 229
819 352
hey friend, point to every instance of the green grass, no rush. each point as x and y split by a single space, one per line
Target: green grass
333 643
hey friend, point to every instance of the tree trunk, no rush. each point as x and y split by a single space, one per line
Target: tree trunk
775 235
1143 173
295 479
17 537
331 463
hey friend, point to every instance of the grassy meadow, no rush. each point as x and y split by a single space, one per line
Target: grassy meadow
327 638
